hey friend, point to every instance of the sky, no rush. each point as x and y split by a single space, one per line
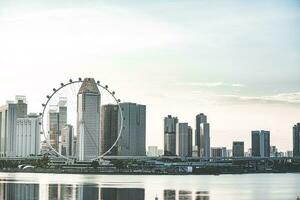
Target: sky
236 61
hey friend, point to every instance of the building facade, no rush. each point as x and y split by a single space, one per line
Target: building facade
9 114
57 119
204 140
183 145
133 138
238 149
88 120
260 143
200 119
67 137
28 132
170 135
296 140
109 128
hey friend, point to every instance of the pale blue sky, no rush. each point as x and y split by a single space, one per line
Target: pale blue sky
237 61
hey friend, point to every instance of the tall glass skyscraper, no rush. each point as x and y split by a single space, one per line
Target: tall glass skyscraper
109 128
133 139
296 140
260 143
170 135
88 120
202 135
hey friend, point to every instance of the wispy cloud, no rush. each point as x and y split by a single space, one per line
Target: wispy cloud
281 98
211 84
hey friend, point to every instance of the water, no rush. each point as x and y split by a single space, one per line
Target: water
15 186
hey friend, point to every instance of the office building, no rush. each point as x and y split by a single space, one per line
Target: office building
217 152
204 140
152 151
274 151
28 132
133 138
74 146
57 119
170 135
202 136
260 143
183 140
88 120
9 114
200 119
296 140
67 136
190 141
238 149
109 128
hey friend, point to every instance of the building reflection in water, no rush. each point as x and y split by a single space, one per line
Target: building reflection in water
185 195
122 193
16 191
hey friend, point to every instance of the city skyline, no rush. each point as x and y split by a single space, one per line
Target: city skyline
242 65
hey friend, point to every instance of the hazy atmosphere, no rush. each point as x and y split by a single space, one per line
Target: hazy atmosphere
238 62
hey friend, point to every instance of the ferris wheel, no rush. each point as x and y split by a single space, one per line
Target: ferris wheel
69 93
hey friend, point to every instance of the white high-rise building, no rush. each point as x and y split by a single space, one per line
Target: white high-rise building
88 120
133 139
8 117
28 132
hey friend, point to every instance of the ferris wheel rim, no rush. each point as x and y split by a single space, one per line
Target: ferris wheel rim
63 85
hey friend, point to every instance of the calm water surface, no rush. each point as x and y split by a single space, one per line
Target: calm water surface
123 187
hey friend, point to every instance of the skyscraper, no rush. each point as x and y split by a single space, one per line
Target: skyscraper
238 149
133 139
204 140
109 128
190 141
88 120
67 136
28 132
202 135
53 127
8 117
296 140
260 143
57 119
182 140
170 135
63 113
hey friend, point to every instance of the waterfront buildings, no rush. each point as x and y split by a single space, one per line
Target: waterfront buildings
183 140
67 136
152 151
170 135
296 140
57 119
88 120
28 132
109 128
202 136
238 149
217 152
9 114
133 139
260 143
199 142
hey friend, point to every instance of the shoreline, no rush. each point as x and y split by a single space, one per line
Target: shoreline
138 173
